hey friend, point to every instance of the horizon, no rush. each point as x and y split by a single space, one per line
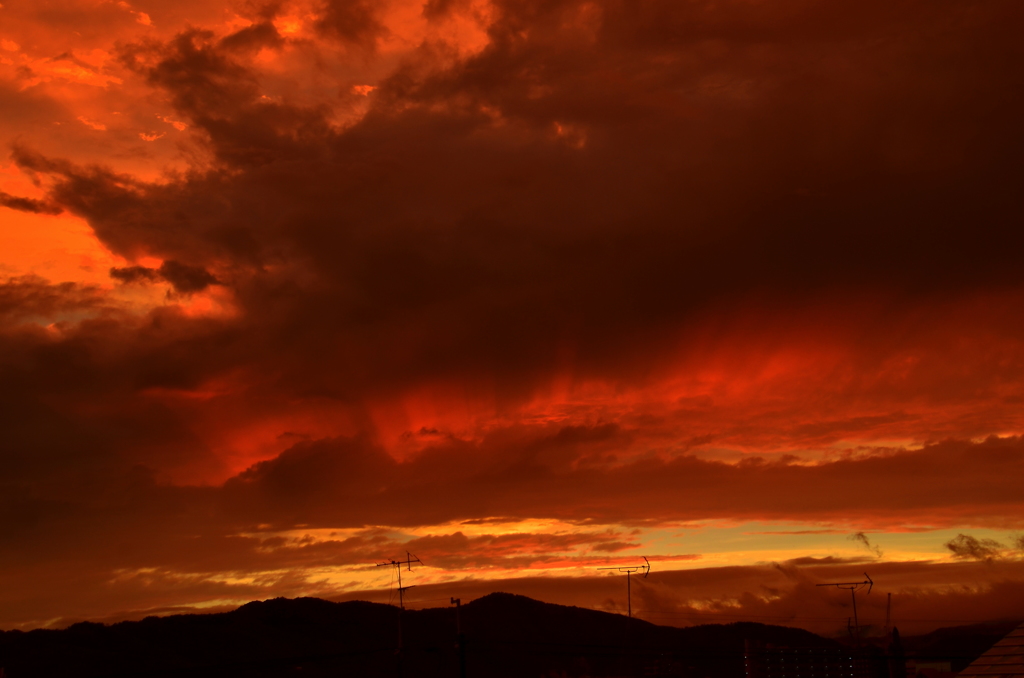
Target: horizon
869 632
527 288
497 634
833 626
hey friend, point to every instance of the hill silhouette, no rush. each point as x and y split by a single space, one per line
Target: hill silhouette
505 636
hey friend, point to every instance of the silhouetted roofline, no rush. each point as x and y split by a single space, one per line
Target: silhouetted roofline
1005 659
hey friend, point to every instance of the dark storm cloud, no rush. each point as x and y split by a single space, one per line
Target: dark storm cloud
595 187
74 410
184 278
126 202
578 196
32 297
523 474
354 22
584 186
254 37
28 204
134 274
434 10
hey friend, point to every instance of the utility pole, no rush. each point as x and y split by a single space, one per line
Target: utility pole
853 587
397 564
630 569
629 655
888 613
460 642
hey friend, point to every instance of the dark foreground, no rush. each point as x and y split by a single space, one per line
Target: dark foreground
505 636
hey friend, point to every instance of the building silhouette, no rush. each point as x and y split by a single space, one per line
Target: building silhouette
1004 660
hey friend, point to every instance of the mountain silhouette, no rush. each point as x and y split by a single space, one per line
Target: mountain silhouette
505 636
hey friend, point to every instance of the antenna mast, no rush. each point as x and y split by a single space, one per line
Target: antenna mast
630 569
888 613
397 564
853 587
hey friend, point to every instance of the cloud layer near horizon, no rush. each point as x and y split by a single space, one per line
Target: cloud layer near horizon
611 264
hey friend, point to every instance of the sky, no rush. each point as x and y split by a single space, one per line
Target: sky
523 288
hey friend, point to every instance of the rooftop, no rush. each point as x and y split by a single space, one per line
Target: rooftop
1004 660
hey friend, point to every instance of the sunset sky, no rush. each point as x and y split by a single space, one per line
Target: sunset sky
523 287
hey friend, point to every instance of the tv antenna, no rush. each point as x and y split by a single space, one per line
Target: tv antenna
397 564
629 570
853 587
